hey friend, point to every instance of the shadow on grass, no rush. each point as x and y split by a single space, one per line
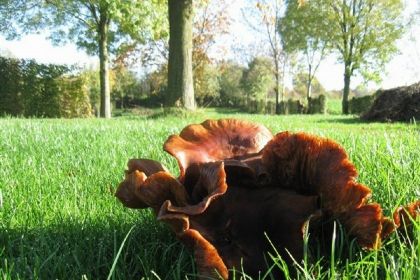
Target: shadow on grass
137 112
229 111
176 113
336 118
74 250
343 120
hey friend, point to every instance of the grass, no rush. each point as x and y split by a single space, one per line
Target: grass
59 219
334 106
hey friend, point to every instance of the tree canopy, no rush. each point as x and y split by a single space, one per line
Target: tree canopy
304 30
364 33
100 27
259 78
361 33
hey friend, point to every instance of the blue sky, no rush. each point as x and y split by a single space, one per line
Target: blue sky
403 69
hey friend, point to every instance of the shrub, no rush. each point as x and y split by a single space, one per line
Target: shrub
74 97
206 85
317 105
270 108
395 104
359 105
41 90
11 100
295 107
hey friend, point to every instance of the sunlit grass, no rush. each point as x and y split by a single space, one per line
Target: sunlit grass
59 219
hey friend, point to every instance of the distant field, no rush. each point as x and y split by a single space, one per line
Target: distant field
59 219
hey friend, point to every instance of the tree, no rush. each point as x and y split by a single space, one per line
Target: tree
210 21
364 33
258 79
300 85
304 30
267 13
231 93
125 84
180 74
99 27
207 88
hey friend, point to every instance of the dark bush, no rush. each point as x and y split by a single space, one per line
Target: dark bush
359 105
270 108
295 106
317 105
251 106
151 101
283 109
11 87
397 104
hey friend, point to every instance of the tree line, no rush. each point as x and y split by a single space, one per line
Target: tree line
46 90
221 84
361 32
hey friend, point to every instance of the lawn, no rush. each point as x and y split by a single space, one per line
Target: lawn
60 220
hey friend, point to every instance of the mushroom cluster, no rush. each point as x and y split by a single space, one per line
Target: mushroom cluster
242 191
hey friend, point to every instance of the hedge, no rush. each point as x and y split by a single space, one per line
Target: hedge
360 105
31 89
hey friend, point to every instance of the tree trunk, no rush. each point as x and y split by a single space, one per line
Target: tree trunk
309 83
346 91
105 108
277 75
180 74
283 109
309 90
309 96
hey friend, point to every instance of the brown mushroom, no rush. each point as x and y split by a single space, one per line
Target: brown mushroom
241 191
216 140
404 217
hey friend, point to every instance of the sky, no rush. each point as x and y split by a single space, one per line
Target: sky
403 69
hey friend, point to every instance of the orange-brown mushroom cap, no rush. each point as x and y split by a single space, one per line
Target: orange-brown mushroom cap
317 166
189 221
313 165
404 217
215 140
148 184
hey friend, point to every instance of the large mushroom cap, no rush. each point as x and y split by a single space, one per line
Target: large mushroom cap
215 140
239 187
313 165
